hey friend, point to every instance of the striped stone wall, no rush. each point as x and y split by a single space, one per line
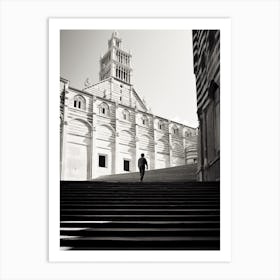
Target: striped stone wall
206 54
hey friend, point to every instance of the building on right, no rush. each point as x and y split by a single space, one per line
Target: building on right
206 59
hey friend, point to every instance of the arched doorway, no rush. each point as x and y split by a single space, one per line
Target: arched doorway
77 153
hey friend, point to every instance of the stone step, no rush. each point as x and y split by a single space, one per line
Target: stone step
137 212
140 197
101 206
98 183
191 243
139 224
134 216
136 189
148 198
143 229
140 232
102 217
157 203
143 193
136 184
85 185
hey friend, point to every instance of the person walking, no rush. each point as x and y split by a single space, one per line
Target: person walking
142 162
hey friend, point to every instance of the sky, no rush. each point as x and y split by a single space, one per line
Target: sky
162 62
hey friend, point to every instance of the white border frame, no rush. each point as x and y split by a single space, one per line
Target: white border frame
55 254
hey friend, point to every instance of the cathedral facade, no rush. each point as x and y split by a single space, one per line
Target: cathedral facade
106 126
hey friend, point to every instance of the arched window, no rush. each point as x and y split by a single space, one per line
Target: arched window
104 109
125 115
144 120
160 125
175 130
79 102
188 133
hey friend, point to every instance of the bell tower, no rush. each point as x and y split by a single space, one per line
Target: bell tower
116 62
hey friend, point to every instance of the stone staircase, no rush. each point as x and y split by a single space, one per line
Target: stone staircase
181 173
140 216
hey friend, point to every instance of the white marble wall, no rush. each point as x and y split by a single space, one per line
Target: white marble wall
118 130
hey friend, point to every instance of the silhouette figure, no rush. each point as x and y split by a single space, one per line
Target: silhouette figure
141 165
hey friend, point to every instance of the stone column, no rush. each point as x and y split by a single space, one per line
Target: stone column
204 145
116 151
111 87
63 151
130 96
155 154
113 54
94 160
113 70
154 143
136 142
199 148
185 147
64 135
170 144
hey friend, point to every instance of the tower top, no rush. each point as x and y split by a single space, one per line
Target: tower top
116 62
115 40
115 34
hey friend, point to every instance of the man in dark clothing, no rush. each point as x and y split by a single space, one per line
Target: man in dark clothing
141 164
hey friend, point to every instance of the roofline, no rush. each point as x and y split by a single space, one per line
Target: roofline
134 91
64 80
119 104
